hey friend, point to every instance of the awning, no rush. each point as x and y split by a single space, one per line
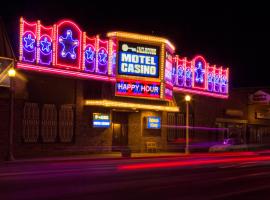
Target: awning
133 106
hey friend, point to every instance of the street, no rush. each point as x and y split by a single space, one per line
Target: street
199 176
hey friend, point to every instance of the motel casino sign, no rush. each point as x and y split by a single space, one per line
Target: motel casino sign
140 66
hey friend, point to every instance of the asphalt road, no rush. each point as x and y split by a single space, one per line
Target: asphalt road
192 177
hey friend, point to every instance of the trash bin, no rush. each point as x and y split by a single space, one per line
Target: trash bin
126 152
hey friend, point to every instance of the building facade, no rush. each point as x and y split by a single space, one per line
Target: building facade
81 94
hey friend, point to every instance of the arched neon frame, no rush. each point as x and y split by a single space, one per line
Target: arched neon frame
43 32
25 27
79 51
204 72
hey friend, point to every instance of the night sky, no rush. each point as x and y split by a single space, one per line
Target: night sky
227 34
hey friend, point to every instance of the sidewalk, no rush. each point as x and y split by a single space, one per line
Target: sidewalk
96 157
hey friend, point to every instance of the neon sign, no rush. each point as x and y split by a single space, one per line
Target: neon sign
168 69
101 120
199 72
28 41
134 88
153 122
89 62
168 92
141 66
198 77
45 44
138 60
69 44
102 57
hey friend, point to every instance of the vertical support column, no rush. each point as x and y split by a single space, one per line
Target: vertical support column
21 40
97 48
110 57
162 68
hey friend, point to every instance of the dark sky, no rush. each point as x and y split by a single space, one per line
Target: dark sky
225 33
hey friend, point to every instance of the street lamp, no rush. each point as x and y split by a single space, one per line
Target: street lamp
187 99
11 74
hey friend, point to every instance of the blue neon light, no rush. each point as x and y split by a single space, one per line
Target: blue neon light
45 45
102 56
101 120
153 122
69 45
29 41
90 55
199 72
188 77
211 78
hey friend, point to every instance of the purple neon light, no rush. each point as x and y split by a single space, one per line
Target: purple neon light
196 128
29 46
46 50
64 72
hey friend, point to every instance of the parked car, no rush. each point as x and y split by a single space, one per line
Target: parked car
230 144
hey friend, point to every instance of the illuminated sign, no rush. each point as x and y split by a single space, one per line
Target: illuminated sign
153 122
168 92
65 49
101 120
138 60
63 46
168 68
135 88
198 77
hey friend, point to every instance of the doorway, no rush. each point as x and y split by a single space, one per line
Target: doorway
120 130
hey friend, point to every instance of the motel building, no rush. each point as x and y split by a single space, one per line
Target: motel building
77 93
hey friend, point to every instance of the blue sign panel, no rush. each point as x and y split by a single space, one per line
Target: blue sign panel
101 120
153 122
138 60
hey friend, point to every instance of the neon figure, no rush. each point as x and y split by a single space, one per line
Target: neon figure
210 81
181 74
102 56
199 72
45 45
188 77
223 82
90 55
29 42
69 45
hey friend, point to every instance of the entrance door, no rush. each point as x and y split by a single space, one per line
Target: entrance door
120 131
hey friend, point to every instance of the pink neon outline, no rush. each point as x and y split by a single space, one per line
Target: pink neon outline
59 24
29 23
64 72
206 93
205 72
171 88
